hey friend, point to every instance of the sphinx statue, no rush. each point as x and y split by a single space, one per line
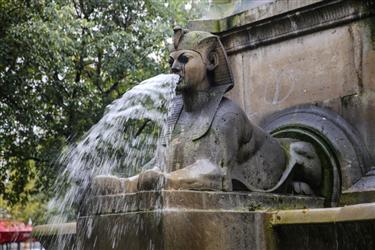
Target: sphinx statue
210 143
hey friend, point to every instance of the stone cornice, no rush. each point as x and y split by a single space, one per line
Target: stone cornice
261 12
296 22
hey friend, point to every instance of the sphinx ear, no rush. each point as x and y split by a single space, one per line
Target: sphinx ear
213 60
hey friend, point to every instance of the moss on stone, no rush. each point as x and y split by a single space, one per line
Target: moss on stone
370 22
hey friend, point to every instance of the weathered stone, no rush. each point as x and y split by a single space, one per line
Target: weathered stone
290 53
185 229
271 41
276 75
212 145
262 12
182 220
156 200
349 227
363 191
222 220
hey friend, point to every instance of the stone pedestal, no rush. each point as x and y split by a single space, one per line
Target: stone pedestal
183 220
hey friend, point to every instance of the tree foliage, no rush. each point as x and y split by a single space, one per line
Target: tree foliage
61 63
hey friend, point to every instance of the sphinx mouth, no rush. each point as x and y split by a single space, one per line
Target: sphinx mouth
180 79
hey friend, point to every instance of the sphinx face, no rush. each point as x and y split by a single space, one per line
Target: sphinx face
191 68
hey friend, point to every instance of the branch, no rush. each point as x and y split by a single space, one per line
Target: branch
80 64
78 12
98 71
141 128
32 158
112 88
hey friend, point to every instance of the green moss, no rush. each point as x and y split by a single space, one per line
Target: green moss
216 26
212 26
230 22
346 101
370 23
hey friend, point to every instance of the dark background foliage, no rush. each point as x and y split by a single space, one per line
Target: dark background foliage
61 63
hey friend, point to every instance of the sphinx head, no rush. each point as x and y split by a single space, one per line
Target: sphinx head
200 60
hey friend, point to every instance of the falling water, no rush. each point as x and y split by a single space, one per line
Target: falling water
121 143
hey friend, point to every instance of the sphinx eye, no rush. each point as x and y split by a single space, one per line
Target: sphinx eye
171 61
183 59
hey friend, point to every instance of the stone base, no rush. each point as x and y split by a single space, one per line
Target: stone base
173 230
182 220
339 228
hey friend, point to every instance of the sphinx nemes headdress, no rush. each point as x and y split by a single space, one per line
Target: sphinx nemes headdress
203 42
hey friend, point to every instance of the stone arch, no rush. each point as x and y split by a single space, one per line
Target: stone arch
344 156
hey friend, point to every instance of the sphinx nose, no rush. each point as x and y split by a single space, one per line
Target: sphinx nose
176 68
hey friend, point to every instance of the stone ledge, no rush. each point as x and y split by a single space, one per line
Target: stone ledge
360 212
55 229
56 236
251 15
187 200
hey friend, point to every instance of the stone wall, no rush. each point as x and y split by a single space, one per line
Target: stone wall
288 53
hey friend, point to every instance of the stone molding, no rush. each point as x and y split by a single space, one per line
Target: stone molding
360 212
297 22
195 200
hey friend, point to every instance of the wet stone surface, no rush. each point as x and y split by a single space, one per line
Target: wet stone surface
156 200
182 220
344 236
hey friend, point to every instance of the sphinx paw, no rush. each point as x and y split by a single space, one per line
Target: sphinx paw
152 179
106 184
302 188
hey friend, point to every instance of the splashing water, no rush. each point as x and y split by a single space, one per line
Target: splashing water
121 143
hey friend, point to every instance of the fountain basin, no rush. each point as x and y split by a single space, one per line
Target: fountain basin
218 220
183 220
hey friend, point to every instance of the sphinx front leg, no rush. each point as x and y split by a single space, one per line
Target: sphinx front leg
151 179
202 175
109 184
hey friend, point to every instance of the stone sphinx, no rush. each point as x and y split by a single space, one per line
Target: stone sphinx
211 144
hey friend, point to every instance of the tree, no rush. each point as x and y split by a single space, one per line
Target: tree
61 63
